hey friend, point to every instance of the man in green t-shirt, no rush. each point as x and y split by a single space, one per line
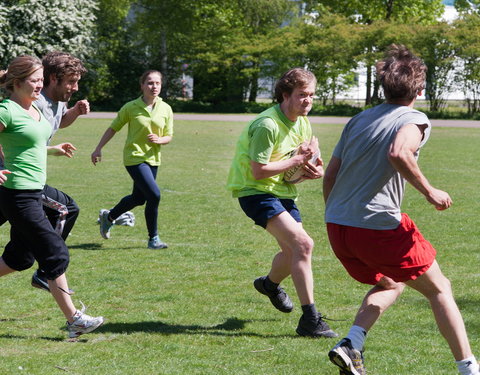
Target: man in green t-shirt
276 141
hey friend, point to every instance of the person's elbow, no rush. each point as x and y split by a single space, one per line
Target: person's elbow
397 156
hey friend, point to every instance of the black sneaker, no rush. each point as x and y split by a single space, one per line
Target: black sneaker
279 298
315 328
349 360
40 281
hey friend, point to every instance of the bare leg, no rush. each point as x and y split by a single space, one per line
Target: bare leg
376 301
4 269
295 257
436 287
64 301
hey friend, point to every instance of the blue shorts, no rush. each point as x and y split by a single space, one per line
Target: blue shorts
262 207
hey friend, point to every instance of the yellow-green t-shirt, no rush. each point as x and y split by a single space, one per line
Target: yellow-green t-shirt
142 122
270 137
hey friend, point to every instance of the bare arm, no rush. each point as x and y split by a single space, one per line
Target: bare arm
62 149
330 176
97 153
401 156
82 107
159 140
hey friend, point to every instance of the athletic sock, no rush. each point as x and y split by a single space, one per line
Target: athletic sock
270 285
357 336
468 366
310 312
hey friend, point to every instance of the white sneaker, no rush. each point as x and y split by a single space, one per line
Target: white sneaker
83 323
105 224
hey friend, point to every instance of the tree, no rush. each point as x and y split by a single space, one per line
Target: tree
37 26
415 12
434 45
466 40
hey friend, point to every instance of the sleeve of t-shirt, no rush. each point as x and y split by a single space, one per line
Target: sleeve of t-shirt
5 115
418 118
262 140
122 118
169 123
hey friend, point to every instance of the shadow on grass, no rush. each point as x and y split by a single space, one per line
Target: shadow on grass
86 246
231 327
17 337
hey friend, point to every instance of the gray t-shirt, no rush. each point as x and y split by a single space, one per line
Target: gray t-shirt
368 191
53 111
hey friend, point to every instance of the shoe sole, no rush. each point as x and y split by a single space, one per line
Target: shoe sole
261 290
158 248
329 334
342 360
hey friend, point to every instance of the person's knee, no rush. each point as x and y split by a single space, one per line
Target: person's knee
56 267
73 209
303 246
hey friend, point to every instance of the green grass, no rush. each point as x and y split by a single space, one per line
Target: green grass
192 309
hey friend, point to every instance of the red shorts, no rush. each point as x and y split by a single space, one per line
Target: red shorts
401 254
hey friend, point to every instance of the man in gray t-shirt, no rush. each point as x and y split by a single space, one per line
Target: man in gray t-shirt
62 72
363 189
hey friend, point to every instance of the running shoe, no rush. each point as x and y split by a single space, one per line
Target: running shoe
83 323
349 360
105 223
156 243
278 298
315 328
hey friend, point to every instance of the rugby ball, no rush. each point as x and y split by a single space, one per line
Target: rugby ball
295 174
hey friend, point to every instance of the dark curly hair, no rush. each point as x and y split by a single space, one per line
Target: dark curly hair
60 64
401 74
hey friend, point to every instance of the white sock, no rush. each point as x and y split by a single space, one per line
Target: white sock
357 336
468 366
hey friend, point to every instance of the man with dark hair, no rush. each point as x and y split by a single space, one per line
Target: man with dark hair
278 140
62 72
363 188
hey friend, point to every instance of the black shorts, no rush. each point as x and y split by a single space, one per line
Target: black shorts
262 207
32 237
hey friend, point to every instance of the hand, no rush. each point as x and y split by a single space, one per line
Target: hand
153 138
314 171
82 107
3 178
440 199
62 149
96 157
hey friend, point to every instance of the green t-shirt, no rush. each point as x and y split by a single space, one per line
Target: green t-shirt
24 143
141 122
270 137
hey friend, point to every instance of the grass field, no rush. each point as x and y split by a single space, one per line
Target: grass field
191 309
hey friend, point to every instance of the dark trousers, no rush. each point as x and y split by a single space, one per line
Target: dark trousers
32 237
145 189
62 211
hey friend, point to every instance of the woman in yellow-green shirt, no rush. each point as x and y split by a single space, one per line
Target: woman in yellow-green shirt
150 125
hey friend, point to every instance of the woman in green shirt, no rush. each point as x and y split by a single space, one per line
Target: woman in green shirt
24 133
150 125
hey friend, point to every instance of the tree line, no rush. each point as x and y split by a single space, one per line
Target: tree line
228 46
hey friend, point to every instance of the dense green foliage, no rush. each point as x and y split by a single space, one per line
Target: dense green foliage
234 50
192 309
